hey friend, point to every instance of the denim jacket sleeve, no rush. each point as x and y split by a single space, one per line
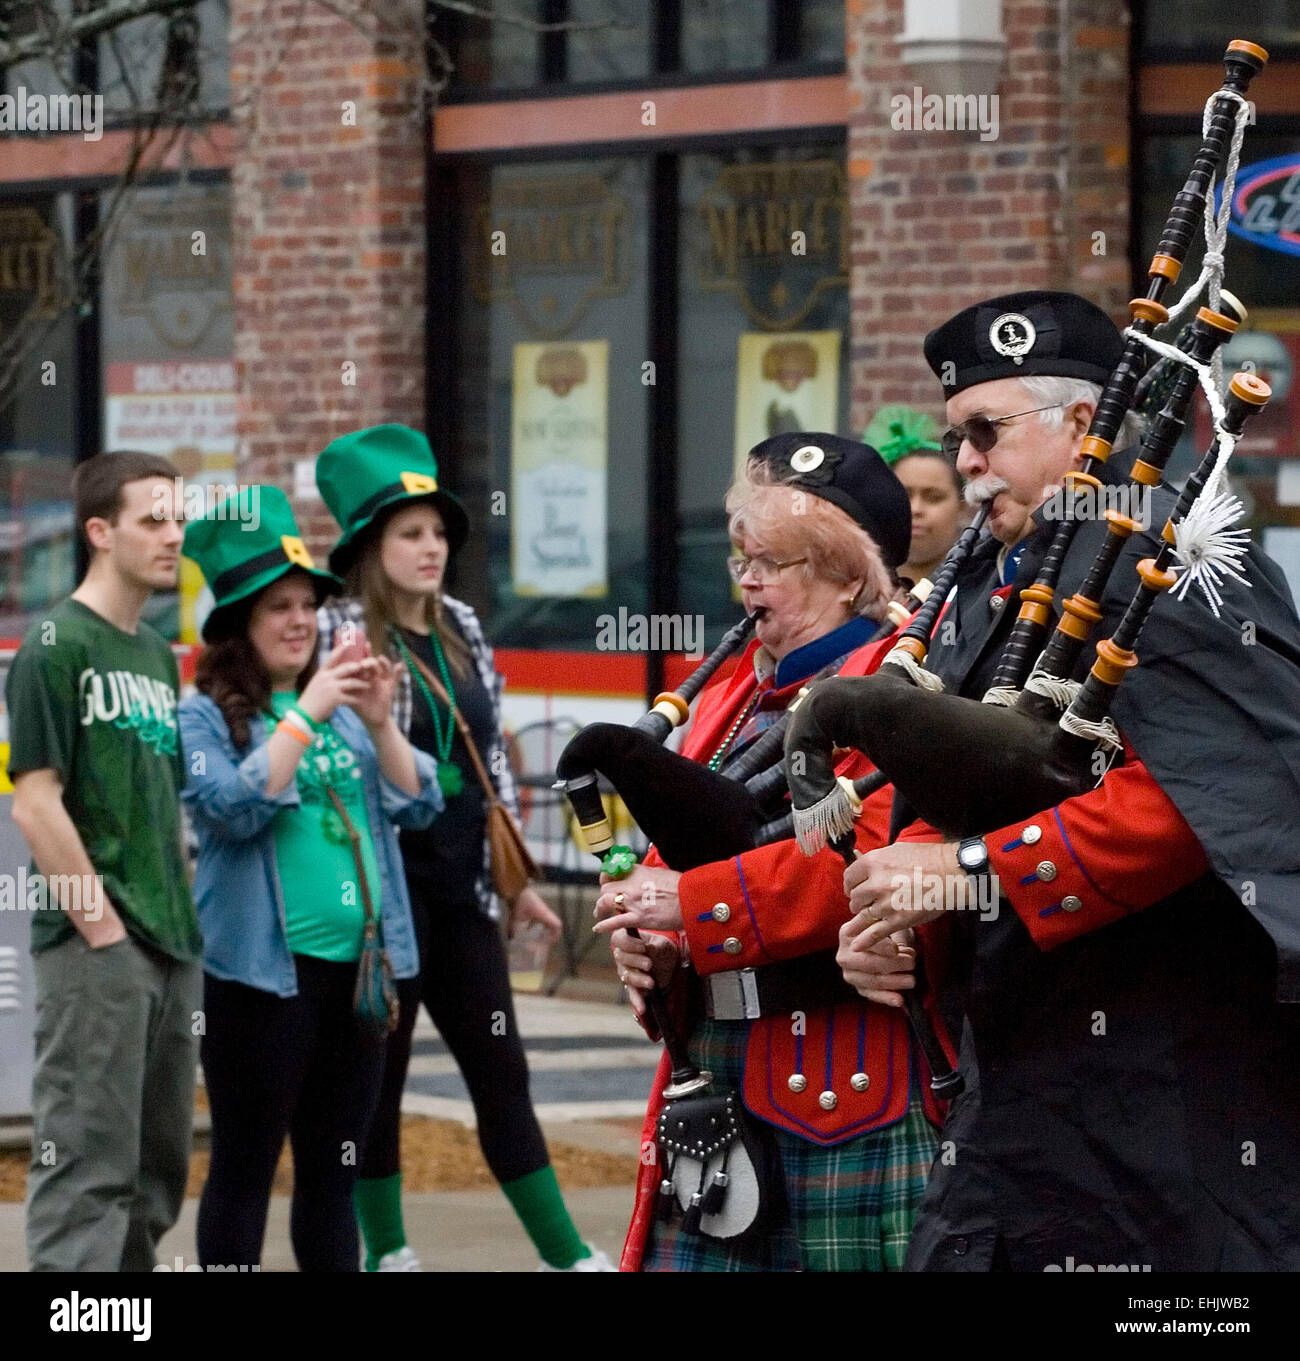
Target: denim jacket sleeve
226 791
413 813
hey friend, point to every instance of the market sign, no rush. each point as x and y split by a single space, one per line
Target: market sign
1266 205
777 236
550 245
29 261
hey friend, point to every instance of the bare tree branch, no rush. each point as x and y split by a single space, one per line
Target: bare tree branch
62 35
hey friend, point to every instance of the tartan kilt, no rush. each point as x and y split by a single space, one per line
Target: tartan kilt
849 1207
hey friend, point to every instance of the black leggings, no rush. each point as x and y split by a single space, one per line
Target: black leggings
286 1065
465 985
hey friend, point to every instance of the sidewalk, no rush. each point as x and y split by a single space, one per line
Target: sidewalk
591 1067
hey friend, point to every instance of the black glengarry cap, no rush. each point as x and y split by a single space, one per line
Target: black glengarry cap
1024 335
850 475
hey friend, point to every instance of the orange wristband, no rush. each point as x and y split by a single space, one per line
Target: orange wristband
293 731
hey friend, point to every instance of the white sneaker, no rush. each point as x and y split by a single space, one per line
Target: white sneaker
597 1261
401 1260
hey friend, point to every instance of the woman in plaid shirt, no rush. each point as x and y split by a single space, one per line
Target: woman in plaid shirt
399 532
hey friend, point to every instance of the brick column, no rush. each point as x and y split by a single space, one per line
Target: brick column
328 242
941 218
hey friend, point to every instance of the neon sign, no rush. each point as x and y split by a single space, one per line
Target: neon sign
1266 205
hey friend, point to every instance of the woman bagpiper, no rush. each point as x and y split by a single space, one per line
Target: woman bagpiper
847 1122
399 532
296 774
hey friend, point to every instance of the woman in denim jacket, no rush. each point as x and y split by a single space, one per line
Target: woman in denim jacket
277 887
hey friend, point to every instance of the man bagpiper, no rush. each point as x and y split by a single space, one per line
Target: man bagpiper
1133 1079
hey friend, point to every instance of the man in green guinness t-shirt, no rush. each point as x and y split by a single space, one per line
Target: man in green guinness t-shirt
97 773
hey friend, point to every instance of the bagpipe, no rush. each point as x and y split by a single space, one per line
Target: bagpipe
715 1165
694 815
967 767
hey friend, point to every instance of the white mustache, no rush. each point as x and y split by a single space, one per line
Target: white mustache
982 489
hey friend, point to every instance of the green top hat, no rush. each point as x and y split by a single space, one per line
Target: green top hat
246 542
369 471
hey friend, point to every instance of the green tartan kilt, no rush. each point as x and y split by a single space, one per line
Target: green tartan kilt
849 1207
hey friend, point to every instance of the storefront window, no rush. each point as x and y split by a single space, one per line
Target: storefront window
131 59
167 347
621 51
762 333
36 77
492 54
725 35
634 41
38 408
552 396
1196 29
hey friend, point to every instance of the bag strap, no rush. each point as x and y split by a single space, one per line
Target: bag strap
354 838
436 686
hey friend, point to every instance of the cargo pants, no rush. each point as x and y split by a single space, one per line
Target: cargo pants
112 1102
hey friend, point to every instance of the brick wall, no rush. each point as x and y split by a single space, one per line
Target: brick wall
942 219
327 236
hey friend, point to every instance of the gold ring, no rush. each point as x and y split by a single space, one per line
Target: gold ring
620 899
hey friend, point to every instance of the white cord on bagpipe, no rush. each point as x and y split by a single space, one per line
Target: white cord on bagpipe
1101 733
1207 547
1216 225
916 673
1060 692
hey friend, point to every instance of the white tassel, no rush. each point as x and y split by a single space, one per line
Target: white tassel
827 819
1207 547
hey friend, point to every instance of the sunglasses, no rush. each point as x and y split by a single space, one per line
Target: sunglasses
982 431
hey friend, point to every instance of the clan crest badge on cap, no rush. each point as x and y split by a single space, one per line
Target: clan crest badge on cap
1012 336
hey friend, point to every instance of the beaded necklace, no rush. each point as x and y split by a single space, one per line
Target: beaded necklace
716 759
451 779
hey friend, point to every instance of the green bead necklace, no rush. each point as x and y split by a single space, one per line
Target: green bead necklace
451 779
716 759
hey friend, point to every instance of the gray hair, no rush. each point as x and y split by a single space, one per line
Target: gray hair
1057 393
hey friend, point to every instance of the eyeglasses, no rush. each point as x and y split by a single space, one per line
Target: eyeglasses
764 568
982 431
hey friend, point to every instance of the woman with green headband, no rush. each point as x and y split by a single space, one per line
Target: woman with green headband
399 532
907 441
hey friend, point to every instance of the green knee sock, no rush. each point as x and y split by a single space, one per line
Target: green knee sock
537 1201
378 1203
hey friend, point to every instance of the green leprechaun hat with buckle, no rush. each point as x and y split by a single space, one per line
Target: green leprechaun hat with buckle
239 555
362 474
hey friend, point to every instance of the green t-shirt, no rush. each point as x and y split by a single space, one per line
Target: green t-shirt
323 909
98 706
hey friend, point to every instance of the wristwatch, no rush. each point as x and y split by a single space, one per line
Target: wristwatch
973 856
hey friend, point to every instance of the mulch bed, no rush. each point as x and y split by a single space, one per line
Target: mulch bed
437 1155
